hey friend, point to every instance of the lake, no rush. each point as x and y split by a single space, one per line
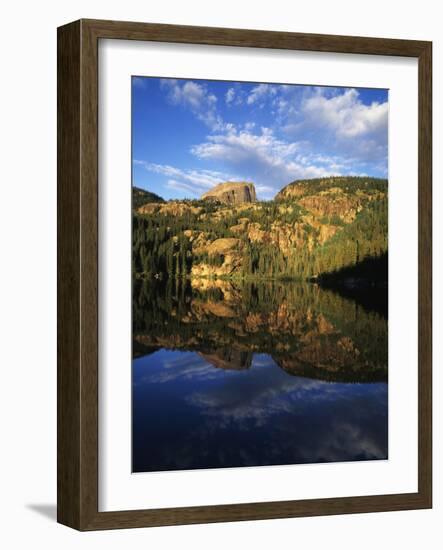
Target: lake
248 374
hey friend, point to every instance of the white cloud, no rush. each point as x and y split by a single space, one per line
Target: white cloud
240 145
346 114
194 182
230 95
188 93
182 186
196 98
260 93
265 190
270 162
337 121
249 126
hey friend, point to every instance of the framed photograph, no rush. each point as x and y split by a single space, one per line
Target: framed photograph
240 212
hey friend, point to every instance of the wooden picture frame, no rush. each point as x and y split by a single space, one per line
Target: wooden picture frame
78 274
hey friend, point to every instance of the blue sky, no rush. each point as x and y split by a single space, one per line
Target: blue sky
189 135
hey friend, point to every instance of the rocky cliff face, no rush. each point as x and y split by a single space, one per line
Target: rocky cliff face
172 208
231 192
341 198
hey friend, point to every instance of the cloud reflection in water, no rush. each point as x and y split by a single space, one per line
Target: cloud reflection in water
189 414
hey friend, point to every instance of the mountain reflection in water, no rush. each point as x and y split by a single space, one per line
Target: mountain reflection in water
228 375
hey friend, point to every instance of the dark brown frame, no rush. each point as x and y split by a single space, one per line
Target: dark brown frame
77 274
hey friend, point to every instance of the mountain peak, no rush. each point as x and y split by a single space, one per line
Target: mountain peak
141 197
231 192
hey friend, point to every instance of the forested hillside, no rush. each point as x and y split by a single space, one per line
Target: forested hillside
141 197
311 228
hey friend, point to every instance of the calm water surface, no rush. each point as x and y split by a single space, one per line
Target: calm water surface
228 375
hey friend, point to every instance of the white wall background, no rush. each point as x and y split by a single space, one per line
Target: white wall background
28 271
